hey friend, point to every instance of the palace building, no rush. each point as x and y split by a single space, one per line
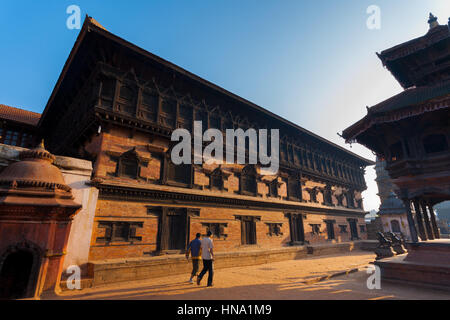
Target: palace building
116 105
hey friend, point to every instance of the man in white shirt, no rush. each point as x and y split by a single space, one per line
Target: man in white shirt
208 257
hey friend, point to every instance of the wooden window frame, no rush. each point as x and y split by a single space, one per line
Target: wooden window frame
214 227
111 227
274 229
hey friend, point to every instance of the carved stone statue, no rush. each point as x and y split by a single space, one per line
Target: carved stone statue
397 243
384 249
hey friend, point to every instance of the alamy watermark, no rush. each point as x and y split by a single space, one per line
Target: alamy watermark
374 280
74 20
74 279
373 22
213 152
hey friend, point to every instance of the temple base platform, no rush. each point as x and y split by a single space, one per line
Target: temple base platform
426 264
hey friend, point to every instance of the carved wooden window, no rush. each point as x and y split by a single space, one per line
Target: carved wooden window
296 227
435 143
248 184
149 106
11 137
248 230
180 174
350 196
340 199
335 170
310 161
217 229
24 140
290 154
185 114
128 165
273 188
330 229
298 157
215 122
315 229
202 116
283 152
396 151
313 194
353 229
107 92
323 165
343 229
119 231
274 229
216 181
168 112
227 124
327 198
127 99
294 188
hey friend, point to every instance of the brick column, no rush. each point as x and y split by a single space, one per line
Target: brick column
427 221
433 222
420 223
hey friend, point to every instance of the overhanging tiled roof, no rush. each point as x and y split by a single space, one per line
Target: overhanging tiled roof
19 115
411 96
412 46
408 103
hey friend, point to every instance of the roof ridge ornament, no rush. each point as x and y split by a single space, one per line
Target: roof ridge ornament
432 21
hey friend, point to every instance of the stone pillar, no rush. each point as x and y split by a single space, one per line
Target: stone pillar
427 221
420 223
412 227
433 222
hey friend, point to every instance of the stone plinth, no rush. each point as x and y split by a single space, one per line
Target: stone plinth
426 263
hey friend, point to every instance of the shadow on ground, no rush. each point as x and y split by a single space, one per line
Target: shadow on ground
347 287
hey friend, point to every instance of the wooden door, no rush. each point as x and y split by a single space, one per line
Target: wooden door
353 229
177 230
248 235
297 230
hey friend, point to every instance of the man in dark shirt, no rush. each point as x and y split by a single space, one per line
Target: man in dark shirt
195 249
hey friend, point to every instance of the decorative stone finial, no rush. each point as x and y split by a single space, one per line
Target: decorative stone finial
41 145
38 152
432 21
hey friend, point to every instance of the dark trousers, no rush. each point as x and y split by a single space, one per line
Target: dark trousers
207 266
195 263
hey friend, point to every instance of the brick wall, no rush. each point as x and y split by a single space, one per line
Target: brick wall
114 141
111 210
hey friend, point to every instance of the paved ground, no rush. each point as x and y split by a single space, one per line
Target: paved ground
286 280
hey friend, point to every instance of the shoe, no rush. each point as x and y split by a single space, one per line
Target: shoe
198 280
210 285
191 281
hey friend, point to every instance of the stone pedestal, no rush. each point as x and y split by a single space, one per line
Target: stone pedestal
384 252
426 263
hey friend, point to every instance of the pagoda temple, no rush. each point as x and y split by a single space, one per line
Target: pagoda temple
411 132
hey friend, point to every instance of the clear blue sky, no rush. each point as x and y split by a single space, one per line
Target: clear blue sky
312 62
